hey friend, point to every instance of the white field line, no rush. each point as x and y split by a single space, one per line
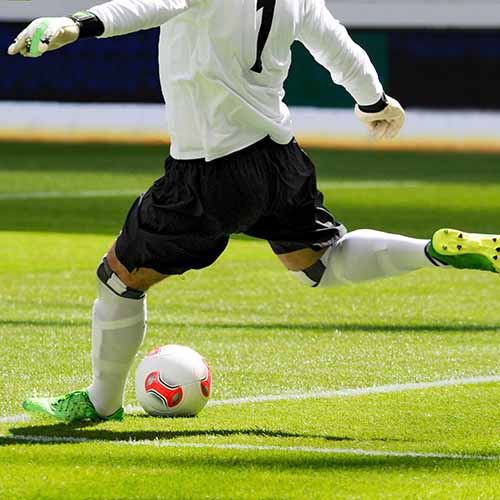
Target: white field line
247 447
41 195
360 391
369 184
14 419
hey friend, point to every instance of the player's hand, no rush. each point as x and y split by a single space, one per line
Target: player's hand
385 124
44 34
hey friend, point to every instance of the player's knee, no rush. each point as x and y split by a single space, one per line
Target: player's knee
117 283
127 277
316 274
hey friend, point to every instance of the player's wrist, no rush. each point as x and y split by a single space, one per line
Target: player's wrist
379 106
88 23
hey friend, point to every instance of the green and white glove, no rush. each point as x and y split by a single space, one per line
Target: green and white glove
383 123
44 34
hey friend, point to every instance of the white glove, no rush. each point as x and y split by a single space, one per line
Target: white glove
385 124
43 34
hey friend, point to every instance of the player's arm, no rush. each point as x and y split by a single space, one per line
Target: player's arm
117 17
349 66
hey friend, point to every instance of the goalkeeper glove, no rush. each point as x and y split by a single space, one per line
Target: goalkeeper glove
383 123
43 34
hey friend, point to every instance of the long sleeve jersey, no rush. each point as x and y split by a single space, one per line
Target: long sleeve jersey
223 64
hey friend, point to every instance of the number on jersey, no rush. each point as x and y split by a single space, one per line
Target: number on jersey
265 29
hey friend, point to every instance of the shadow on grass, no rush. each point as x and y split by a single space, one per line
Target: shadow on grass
91 431
44 323
324 327
343 327
274 459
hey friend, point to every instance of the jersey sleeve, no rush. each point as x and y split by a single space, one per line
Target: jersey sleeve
120 17
332 47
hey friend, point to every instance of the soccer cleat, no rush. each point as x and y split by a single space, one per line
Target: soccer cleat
72 407
466 250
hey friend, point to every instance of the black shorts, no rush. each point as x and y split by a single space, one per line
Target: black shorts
185 219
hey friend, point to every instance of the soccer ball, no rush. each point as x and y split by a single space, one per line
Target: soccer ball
173 381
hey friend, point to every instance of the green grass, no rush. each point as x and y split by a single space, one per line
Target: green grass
262 333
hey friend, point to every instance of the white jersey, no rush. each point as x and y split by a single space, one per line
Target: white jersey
223 64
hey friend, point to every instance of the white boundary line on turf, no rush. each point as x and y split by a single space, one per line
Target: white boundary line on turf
249 447
367 184
14 419
41 195
360 391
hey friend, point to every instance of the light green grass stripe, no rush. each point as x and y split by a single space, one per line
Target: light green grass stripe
42 195
126 192
246 447
334 184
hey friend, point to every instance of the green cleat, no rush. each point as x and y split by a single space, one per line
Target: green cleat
466 250
72 407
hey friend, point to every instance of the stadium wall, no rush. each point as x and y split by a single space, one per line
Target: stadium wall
354 13
447 78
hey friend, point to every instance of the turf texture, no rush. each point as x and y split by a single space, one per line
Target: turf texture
263 334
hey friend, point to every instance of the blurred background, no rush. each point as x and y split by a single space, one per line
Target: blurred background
438 57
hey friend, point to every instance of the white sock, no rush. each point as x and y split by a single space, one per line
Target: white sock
118 329
366 255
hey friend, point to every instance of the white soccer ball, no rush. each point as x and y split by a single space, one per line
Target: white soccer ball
173 381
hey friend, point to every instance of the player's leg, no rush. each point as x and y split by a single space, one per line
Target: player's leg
118 329
359 256
367 254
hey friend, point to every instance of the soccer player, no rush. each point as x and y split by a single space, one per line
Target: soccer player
234 167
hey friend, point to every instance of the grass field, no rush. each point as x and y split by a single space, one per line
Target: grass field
420 352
